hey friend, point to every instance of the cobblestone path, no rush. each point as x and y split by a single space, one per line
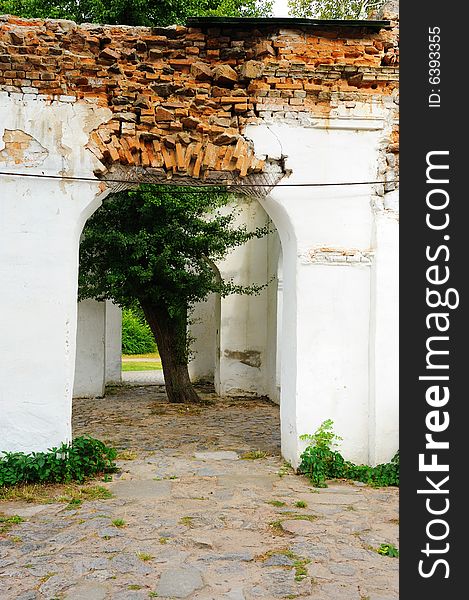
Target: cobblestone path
193 519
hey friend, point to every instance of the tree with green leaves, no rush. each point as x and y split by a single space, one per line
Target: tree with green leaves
333 9
156 246
134 12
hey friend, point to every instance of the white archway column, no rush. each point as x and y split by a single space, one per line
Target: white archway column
384 342
90 362
113 343
99 348
329 304
204 329
40 225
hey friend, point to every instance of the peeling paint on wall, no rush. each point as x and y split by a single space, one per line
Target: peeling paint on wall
180 98
251 358
22 149
339 256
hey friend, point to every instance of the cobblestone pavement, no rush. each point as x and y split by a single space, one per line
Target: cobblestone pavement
198 521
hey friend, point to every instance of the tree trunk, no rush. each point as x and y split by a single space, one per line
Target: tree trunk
171 336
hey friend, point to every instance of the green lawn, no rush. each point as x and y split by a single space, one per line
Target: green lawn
141 366
154 355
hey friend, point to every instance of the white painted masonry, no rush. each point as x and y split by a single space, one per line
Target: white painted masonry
90 362
339 262
99 348
113 343
205 331
330 312
384 338
40 226
243 327
235 337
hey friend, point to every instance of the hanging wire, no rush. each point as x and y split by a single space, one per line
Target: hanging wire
194 183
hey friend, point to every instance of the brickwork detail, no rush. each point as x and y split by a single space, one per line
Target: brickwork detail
21 149
339 256
181 97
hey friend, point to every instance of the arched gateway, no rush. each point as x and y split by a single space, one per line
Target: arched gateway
300 113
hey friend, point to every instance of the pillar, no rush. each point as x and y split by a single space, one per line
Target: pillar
330 289
113 343
41 220
90 353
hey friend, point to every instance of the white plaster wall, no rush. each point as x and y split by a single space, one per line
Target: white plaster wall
332 360
204 329
243 333
113 343
274 343
327 312
90 365
384 342
235 337
40 226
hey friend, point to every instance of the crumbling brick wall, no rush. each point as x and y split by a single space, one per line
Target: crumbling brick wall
181 96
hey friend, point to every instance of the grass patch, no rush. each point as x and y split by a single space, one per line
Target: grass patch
118 522
299 562
188 410
283 551
163 540
36 493
141 366
277 528
6 523
187 521
301 504
299 517
301 570
145 556
277 503
153 355
285 469
127 455
254 455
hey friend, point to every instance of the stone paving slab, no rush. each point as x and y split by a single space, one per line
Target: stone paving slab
196 526
144 489
220 455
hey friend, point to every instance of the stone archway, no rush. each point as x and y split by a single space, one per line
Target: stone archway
87 110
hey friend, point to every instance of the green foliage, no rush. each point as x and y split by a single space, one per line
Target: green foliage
388 550
134 12
6 523
84 457
137 337
333 9
14 520
157 245
320 462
